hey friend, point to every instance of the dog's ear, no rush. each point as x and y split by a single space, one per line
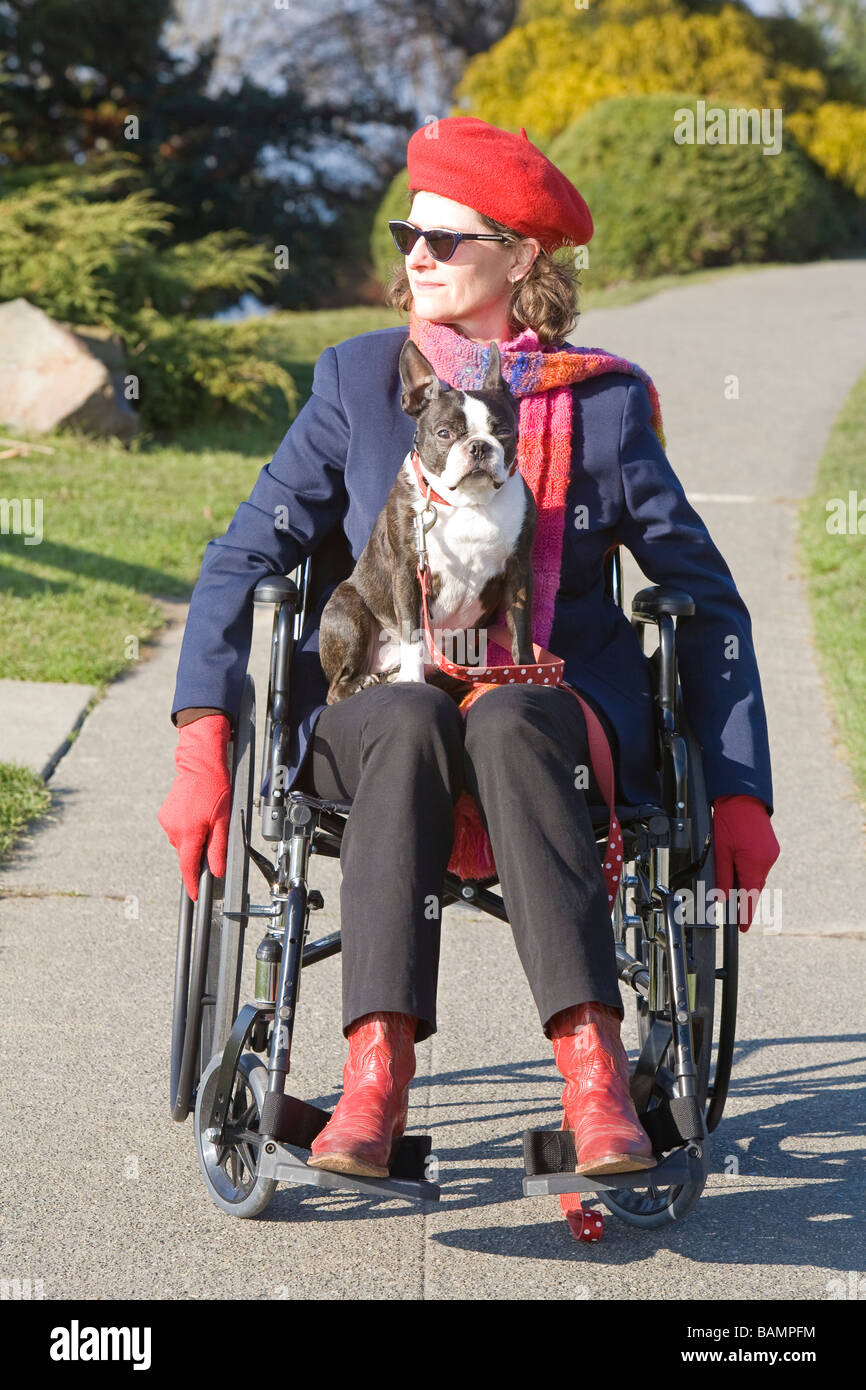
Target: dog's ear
420 382
494 380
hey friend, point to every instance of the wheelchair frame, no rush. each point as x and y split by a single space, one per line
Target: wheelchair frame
682 974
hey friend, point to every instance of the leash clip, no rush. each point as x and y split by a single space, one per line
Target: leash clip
421 527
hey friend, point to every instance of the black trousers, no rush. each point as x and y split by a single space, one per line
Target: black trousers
402 754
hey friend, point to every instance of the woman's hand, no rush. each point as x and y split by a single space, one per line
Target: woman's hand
196 810
745 844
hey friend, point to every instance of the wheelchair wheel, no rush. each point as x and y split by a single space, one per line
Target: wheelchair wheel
653 1206
190 972
231 894
209 946
229 1170
701 941
713 954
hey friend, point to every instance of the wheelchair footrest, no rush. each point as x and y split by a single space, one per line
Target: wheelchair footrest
549 1160
284 1166
296 1122
288 1120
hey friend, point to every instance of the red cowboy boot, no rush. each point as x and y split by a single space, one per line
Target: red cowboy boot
371 1113
608 1136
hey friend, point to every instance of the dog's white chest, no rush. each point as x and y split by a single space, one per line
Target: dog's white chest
466 546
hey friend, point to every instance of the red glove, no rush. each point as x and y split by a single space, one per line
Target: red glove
745 843
197 808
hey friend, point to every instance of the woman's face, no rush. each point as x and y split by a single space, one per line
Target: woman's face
472 290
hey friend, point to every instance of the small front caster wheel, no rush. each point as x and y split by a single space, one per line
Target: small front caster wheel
230 1169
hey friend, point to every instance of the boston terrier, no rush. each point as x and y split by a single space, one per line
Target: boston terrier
479 547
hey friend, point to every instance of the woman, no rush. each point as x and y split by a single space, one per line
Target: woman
404 753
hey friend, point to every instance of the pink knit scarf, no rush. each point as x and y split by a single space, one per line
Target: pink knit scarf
541 377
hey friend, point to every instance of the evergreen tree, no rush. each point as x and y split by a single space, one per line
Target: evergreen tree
84 78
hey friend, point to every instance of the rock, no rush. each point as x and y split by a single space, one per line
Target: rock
53 375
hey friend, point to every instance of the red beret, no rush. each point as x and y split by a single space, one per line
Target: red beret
500 174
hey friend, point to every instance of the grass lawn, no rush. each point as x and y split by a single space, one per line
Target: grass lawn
23 796
835 566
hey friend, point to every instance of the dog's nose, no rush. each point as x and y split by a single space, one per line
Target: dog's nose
478 460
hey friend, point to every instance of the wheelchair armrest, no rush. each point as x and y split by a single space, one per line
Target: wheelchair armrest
277 588
648 605
660 605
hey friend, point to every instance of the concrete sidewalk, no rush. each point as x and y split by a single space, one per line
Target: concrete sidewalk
109 1201
37 721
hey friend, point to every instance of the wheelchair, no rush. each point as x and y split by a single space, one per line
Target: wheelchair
230 1064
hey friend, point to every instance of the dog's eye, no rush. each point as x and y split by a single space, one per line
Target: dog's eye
443 433
505 430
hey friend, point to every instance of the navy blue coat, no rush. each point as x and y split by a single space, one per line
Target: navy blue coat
333 472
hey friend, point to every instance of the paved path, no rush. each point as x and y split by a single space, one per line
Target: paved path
103 1193
37 719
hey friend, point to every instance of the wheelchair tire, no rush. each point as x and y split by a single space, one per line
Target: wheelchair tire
703 944
208 960
190 973
715 954
231 893
701 941
652 1206
229 1173
720 1076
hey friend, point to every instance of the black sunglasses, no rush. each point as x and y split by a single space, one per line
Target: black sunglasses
440 243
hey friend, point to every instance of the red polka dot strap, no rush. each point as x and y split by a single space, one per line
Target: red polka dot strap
547 670
585 1224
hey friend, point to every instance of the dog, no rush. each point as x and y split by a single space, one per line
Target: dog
479 548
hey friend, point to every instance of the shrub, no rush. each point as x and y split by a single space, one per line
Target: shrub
546 73
834 136
395 203
191 369
661 207
79 248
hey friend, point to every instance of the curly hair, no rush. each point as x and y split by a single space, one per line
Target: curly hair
546 298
